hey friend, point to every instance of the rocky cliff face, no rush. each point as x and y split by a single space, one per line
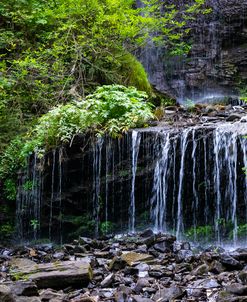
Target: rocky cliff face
217 63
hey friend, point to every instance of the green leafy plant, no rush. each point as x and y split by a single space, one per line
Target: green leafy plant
107 227
6 230
28 185
202 233
10 189
112 109
34 223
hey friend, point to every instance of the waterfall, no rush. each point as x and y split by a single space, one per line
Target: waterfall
52 191
183 148
135 150
195 188
160 185
97 160
188 181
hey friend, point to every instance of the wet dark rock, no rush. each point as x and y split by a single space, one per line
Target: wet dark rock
233 117
117 264
237 289
227 297
230 263
216 267
184 255
242 276
147 233
239 254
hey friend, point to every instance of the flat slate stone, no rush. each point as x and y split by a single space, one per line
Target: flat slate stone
59 274
132 258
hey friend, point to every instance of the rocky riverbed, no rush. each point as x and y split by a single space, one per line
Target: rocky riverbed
144 267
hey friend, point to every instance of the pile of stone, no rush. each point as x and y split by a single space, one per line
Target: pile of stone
144 267
200 114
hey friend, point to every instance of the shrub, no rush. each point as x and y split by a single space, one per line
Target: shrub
112 109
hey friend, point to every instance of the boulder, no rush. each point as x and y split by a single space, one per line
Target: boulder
230 263
53 275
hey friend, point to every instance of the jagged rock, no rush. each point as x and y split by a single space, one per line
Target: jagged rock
24 288
107 281
163 247
239 254
54 275
168 294
58 255
6 294
147 233
184 255
234 116
49 294
227 297
141 283
237 289
117 264
229 262
31 299
140 299
243 277
216 267
200 270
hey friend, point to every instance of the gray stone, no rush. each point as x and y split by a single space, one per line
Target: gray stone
200 270
184 255
168 294
230 263
6 294
234 116
53 275
140 299
107 281
141 283
24 288
237 289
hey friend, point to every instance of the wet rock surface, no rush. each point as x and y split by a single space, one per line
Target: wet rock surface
117 270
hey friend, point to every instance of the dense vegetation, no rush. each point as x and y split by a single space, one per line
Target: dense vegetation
55 51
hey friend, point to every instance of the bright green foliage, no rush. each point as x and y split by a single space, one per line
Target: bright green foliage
54 51
201 233
112 109
10 189
107 227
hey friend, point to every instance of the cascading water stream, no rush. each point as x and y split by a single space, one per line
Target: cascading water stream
188 181
136 138
96 182
183 147
52 191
